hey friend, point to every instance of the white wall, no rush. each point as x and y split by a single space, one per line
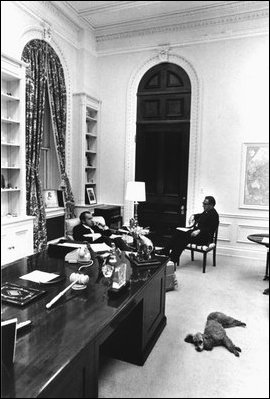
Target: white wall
232 72
234 78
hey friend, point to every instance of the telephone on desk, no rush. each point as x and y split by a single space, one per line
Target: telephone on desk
79 255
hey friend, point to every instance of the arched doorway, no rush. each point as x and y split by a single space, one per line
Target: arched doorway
162 146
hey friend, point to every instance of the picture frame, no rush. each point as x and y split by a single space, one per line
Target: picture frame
91 195
254 180
50 198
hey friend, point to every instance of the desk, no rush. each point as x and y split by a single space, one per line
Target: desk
258 239
59 356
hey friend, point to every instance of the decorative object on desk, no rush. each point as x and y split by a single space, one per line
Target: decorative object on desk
254 188
91 195
143 263
84 255
19 295
8 341
50 198
144 248
135 191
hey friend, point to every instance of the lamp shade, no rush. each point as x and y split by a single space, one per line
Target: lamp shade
135 191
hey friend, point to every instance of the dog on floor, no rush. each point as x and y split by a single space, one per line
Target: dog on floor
215 334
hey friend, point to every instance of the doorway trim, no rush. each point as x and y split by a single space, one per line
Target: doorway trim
195 115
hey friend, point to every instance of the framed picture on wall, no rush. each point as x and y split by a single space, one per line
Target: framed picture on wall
254 183
50 198
91 195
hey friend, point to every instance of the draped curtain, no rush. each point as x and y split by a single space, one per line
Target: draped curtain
44 69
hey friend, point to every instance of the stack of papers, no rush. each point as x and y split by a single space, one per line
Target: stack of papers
94 236
37 276
100 247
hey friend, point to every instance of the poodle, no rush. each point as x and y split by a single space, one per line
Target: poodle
214 333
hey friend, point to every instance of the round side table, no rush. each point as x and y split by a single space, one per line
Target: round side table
262 239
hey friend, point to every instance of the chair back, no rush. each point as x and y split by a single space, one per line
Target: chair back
215 235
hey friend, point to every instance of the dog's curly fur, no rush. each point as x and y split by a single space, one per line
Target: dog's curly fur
214 333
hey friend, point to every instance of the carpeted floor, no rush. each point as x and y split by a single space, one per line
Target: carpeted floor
174 368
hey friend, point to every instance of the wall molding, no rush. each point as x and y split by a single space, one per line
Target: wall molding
237 16
37 32
163 54
244 216
62 26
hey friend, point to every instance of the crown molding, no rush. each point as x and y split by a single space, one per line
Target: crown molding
235 14
184 42
60 24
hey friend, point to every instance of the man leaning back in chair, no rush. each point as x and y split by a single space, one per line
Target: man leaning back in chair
200 233
88 226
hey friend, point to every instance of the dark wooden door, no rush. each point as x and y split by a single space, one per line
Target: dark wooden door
162 146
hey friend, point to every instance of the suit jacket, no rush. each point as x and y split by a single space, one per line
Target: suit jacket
80 230
207 222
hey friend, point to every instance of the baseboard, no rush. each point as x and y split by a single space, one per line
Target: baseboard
259 254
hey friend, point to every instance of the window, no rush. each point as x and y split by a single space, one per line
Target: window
49 169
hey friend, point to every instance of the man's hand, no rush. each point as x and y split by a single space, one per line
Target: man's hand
195 233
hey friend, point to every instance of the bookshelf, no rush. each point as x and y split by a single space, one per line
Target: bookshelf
85 136
17 228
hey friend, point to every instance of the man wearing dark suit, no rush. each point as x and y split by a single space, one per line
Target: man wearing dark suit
88 226
201 233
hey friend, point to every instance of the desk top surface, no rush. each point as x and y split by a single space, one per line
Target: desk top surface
58 334
258 238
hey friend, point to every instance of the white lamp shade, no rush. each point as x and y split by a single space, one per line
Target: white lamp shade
135 191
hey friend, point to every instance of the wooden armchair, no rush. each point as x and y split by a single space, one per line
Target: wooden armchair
204 249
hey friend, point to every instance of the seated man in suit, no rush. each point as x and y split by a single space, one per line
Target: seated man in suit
201 233
89 226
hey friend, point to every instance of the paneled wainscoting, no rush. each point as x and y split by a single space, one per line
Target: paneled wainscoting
233 232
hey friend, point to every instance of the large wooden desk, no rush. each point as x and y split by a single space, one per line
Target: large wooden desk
59 356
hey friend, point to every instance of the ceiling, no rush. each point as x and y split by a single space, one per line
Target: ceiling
106 14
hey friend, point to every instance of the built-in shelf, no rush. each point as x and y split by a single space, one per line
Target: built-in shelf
9 121
10 167
86 120
8 190
7 97
10 144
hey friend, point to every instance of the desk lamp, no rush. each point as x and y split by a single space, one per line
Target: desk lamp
135 192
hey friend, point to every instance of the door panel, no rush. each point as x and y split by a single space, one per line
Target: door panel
162 146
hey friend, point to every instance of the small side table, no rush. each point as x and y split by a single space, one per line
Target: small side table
258 238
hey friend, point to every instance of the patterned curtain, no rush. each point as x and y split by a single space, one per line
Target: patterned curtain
44 68
57 100
34 55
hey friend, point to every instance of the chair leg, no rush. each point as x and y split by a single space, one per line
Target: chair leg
204 261
192 255
214 257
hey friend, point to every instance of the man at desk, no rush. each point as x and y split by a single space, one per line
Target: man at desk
88 226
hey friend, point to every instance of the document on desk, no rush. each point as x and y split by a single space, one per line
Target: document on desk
37 276
265 240
100 247
183 228
94 236
112 236
71 244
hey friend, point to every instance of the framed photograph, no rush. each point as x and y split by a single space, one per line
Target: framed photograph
254 183
50 198
91 195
